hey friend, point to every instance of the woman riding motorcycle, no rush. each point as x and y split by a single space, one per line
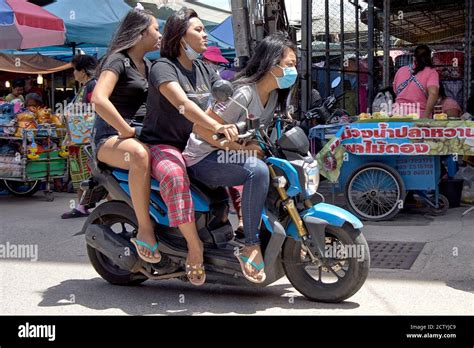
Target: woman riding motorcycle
119 98
180 92
263 85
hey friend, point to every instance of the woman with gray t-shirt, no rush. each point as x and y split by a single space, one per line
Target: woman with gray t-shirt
262 86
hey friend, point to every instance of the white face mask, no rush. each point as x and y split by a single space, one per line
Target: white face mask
190 53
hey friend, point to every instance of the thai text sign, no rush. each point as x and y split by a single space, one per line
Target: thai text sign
426 137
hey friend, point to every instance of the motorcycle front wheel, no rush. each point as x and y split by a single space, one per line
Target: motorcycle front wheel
344 271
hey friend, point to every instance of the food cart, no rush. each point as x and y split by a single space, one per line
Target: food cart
376 163
30 151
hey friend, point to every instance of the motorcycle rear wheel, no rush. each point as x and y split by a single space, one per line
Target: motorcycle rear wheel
121 219
296 264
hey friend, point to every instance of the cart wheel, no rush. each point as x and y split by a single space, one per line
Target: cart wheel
443 206
22 189
49 196
375 192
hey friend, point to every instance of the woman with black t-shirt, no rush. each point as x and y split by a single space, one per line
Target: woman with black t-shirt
120 98
180 93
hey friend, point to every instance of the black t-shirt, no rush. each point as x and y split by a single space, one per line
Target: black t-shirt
165 124
130 93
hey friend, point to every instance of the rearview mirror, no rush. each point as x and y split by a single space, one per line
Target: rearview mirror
336 82
222 90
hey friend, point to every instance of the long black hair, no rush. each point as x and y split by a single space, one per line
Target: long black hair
175 28
422 58
442 91
128 34
268 53
86 63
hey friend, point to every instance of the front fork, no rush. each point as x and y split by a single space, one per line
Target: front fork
289 205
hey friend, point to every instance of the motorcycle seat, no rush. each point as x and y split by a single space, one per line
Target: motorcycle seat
210 194
214 194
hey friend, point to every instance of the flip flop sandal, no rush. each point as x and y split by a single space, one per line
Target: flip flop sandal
196 274
152 259
243 260
74 214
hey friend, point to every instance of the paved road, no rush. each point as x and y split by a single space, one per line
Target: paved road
61 281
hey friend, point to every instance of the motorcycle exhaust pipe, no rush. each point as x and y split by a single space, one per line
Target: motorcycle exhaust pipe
119 250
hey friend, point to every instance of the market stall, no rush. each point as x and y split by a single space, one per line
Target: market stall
30 149
31 138
375 163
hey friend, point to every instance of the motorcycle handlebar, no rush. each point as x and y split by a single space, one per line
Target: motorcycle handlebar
241 128
247 135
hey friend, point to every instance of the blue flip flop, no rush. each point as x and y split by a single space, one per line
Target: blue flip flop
153 248
258 267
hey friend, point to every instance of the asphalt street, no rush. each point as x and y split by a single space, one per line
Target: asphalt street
61 280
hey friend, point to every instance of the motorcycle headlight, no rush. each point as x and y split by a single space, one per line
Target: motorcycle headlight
311 174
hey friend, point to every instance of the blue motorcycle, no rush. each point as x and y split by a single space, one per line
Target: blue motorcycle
319 247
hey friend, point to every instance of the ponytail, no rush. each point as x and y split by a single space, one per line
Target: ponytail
422 58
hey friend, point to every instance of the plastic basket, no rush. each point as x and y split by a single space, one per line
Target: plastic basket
49 164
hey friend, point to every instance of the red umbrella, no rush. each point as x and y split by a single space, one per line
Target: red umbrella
25 25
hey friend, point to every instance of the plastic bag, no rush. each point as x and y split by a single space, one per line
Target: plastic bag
467 174
382 102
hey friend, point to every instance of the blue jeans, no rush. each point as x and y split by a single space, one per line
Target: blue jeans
251 172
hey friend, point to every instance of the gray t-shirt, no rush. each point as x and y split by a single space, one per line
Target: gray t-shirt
197 148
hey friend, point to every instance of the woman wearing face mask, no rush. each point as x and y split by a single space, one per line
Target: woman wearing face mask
262 86
119 98
180 93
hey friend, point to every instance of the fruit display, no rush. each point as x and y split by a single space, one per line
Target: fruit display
413 116
383 116
441 116
380 115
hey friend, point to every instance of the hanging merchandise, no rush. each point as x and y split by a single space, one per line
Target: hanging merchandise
30 149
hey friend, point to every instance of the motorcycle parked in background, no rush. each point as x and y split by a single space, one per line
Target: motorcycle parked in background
324 111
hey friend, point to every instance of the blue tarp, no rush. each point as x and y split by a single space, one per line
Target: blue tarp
223 36
89 21
91 25
63 53
7 16
224 33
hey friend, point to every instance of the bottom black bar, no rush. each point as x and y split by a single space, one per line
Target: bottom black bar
318 331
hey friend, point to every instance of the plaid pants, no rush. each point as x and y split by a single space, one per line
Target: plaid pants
169 168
